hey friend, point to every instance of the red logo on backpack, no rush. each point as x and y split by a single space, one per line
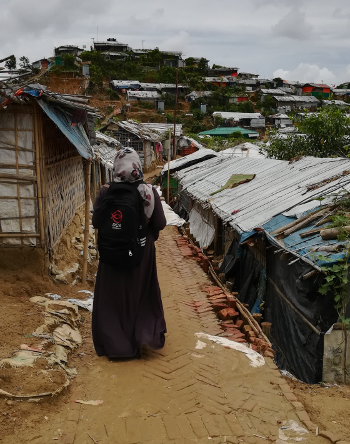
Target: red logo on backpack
117 217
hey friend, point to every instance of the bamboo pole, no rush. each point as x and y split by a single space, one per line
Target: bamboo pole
175 112
87 218
19 235
168 187
38 176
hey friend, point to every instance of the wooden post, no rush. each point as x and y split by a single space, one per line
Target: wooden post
37 135
216 238
99 174
168 188
87 217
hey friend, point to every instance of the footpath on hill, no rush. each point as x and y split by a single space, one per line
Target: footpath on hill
192 391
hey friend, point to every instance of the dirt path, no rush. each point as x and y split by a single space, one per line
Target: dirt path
192 391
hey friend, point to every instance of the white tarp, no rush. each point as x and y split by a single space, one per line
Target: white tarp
171 217
201 229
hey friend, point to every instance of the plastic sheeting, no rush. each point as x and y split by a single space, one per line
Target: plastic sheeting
76 135
200 227
171 217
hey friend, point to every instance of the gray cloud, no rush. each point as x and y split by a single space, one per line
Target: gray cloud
293 25
256 35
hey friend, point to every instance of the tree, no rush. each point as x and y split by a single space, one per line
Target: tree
24 63
11 63
319 135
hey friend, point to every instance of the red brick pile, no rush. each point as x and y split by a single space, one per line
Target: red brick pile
234 327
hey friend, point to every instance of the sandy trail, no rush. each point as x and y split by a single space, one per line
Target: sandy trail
189 392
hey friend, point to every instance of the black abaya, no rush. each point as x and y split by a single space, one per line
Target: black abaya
128 310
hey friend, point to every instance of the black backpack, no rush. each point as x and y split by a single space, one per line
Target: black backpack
121 226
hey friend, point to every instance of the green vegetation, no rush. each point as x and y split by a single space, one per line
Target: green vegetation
319 135
147 68
219 101
11 63
220 143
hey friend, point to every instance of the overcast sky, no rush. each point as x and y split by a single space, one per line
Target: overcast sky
306 40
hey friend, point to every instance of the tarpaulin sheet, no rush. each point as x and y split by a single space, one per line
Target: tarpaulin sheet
201 229
234 181
298 348
76 134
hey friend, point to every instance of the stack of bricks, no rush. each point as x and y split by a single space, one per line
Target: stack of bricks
234 328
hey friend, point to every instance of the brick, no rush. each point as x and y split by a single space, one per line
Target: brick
303 416
239 323
246 328
240 340
185 427
234 426
227 313
197 425
285 388
213 429
269 354
73 415
343 442
310 426
290 397
329 435
218 306
171 427
249 405
223 426
68 438
297 405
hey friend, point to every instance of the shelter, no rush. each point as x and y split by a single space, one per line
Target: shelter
46 153
243 209
136 135
142 96
294 102
253 120
229 130
281 120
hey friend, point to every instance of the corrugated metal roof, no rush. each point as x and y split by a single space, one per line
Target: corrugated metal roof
246 149
143 94
341 92
237 116
161 128
183 161
76 135
196 94
304 99
277 187
277 91
138 129
222 131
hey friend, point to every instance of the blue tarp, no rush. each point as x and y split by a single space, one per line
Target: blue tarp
302 246
76 135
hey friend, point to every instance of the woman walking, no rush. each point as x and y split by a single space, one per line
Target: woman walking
128 310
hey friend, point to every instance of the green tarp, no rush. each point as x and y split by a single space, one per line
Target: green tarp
235 180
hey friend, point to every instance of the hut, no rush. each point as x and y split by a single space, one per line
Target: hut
137 136
261 222
45 160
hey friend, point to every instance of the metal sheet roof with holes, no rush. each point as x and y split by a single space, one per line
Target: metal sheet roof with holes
106 149
143 94
274 92
277 187
162 128
138 129
303 99
237 116
191 159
